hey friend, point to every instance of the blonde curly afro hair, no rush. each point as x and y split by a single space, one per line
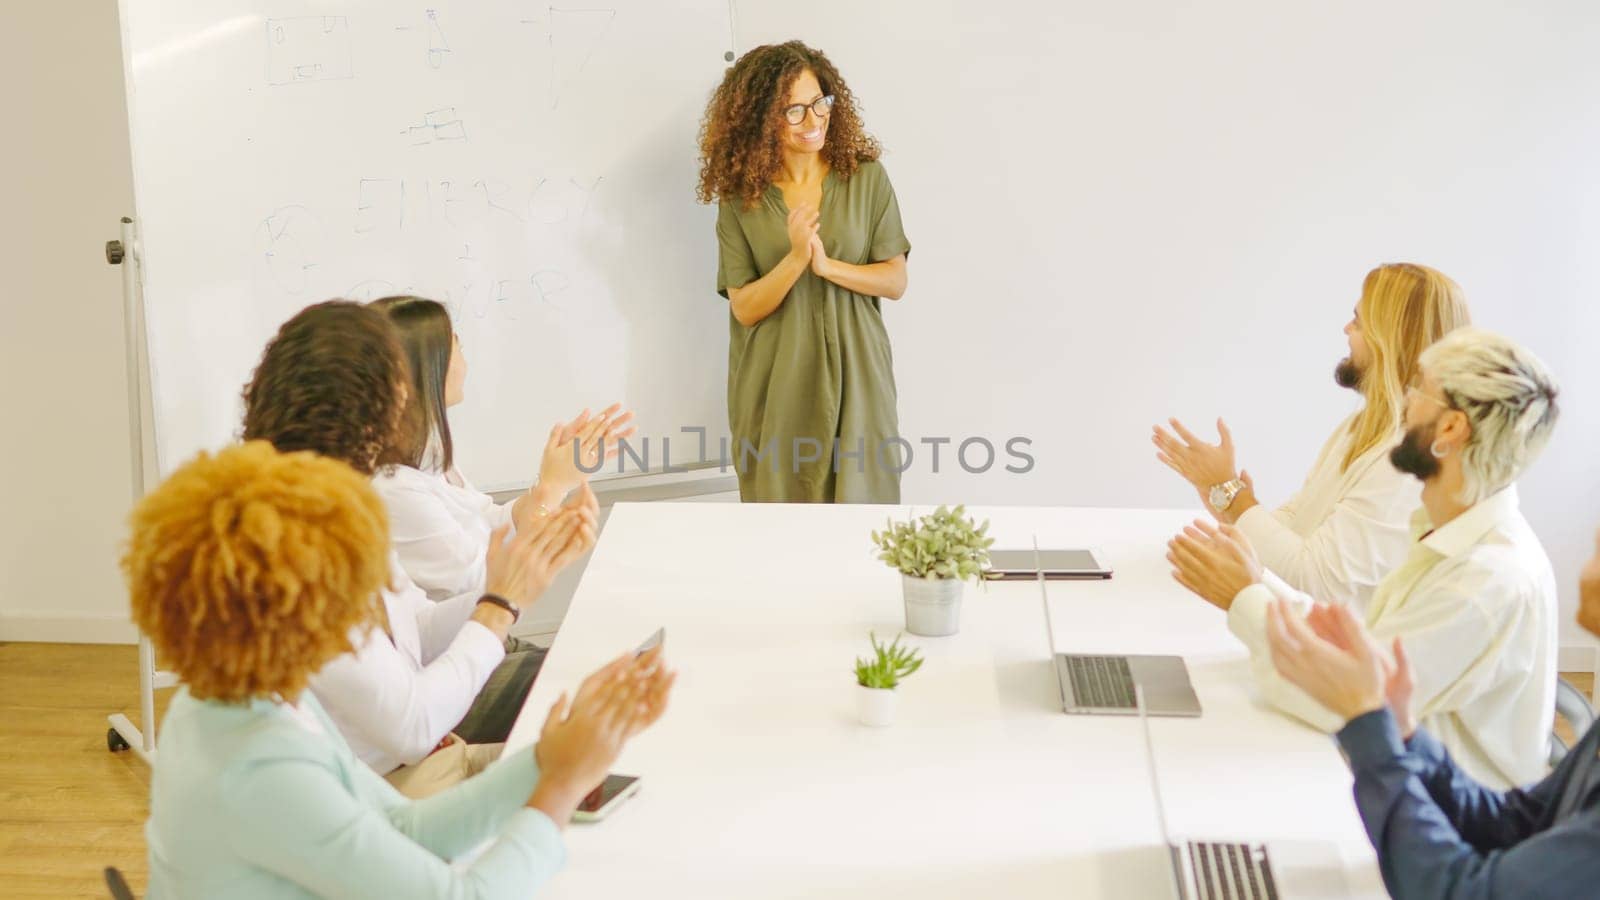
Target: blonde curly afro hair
250 569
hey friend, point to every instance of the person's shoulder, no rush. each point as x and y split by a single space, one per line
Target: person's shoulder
277 758
871 172
246 735
1506 572
400 482
736 208
399 476
1520 551
870 183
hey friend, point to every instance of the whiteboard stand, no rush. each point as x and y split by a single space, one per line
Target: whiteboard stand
123 735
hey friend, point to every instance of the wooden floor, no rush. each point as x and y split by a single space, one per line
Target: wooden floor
68 806
1585 683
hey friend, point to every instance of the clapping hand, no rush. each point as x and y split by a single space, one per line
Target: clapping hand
1201 464
589 439
802 226
1331 656
581 739
1216 563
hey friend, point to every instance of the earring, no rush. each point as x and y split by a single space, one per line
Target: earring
1439 452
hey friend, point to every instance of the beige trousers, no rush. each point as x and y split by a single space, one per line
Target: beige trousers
451 764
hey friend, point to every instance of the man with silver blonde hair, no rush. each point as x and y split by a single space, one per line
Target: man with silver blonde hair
1508 400
1475 600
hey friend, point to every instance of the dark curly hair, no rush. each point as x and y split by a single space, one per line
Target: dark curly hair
330 382
251 569
740 153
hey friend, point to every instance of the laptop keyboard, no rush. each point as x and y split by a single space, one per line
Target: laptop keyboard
1101 681
1231 872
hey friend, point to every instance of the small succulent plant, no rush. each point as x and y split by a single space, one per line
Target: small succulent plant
888 665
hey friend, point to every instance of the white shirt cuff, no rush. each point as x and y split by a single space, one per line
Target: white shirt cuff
481 645
1278 586
1247 617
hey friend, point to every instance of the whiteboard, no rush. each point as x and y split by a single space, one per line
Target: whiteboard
531 166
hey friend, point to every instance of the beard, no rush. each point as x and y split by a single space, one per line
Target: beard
1414 454
1347 374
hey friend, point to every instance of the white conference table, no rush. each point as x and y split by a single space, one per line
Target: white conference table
758 782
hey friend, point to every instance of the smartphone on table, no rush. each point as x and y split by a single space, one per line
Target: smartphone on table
608 796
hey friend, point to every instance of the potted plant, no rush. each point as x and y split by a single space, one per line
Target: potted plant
878 675
935 554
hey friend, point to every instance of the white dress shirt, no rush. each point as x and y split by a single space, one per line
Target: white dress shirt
1475 605
1345 530
439 525
395 699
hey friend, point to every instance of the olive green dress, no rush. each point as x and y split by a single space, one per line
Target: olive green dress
811 395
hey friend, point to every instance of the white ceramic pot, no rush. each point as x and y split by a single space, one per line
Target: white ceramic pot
875 706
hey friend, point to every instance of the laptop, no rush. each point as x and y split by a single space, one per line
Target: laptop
1104 685
1213 870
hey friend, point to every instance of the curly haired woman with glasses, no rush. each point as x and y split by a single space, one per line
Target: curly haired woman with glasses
809 239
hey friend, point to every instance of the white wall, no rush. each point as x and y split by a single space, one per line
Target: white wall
66 181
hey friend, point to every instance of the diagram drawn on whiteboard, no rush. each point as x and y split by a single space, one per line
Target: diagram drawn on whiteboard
574 36
284 243
438 46
437 125
308 48
380 205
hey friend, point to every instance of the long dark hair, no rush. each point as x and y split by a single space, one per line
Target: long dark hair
425 337
329 382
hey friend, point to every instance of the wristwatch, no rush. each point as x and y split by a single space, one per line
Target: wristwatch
1222 495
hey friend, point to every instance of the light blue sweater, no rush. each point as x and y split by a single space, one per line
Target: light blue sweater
248 802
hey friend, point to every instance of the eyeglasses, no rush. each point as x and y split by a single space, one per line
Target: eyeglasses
797 113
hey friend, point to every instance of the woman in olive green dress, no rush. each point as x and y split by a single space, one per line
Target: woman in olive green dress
810 240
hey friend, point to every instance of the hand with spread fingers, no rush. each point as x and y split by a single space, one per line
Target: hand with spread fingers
1215 562
1337 625
520 569
582 739
591 440
1206 466
574 451
1331 656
